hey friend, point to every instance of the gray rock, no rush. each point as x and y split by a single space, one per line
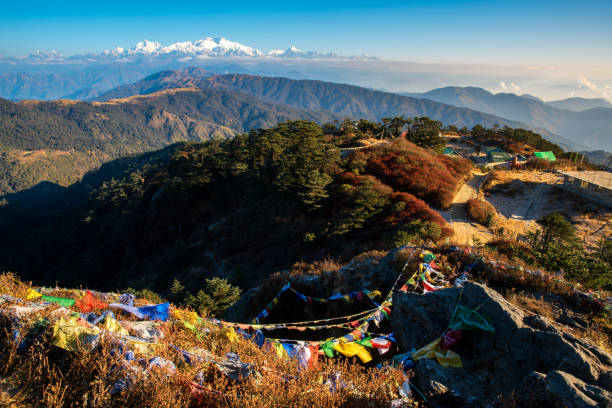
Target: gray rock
533 390
499 363
446 385
242 310
563 390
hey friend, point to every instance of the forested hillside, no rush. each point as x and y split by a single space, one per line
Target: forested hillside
60 140
344 100
240 208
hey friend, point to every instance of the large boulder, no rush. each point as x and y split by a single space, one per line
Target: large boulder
499 363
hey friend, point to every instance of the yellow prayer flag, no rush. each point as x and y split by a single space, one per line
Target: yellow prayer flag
32 294
190 317
230 333
446 358
374 293
113 325
280 350
142 347
70 335
353 349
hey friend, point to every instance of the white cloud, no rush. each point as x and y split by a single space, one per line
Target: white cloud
605 91
509 86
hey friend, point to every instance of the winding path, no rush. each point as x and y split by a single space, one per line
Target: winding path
456 215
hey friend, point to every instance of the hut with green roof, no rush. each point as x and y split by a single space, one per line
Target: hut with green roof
550 156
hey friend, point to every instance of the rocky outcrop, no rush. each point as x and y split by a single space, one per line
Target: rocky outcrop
527 352
370 272
363 272
565 390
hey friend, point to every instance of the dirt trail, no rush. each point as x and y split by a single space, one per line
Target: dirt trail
465 229
522 197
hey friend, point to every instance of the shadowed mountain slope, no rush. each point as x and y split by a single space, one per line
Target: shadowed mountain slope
591 128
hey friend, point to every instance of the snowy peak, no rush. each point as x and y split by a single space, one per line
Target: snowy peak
44 57
184 51
146 47
207 47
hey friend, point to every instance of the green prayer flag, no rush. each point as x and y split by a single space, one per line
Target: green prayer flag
189 326
328 349
429 257
468 319
365 342
60 301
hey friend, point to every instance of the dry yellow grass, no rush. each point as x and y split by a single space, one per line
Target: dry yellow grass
135 98
537 306
47 376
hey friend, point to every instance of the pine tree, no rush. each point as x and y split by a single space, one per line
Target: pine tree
314 190
218 295
177 291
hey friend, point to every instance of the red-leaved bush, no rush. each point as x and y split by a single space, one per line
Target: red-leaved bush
417 209
430 176
413 208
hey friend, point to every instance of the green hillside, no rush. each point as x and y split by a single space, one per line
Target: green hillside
77 136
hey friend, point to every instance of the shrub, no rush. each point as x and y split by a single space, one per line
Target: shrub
310 237
513 250
366 201
556 227
416 232
481 211
429 176
535 163
146 294
218 295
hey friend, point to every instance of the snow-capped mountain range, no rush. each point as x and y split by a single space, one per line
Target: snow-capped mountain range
182 51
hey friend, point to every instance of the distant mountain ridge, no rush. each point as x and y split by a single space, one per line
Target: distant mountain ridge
580 104
589 129
167 79
60 140
341 99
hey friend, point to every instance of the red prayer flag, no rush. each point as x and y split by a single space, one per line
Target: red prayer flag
89 303
450 338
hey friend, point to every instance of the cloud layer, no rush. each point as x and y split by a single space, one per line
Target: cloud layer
605 91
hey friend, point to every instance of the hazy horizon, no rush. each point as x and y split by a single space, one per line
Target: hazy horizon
549 50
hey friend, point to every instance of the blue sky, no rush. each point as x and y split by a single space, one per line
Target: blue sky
561 33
